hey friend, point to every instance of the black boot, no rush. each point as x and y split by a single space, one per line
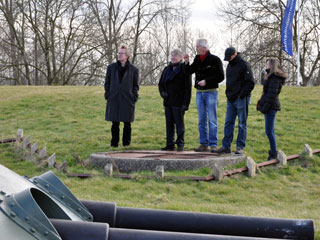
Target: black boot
115 134
126 138
272 155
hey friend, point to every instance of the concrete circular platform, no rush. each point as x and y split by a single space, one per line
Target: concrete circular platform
147 160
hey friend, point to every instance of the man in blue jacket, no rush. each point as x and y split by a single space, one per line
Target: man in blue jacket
240 83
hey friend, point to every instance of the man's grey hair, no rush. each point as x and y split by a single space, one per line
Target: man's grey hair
176 52
203 42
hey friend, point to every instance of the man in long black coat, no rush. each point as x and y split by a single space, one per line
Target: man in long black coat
121 92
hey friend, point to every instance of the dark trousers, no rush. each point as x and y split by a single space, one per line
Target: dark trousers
174 120
115 132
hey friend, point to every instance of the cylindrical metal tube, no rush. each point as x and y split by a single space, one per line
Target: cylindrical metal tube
203 223
126 234
162 220
71 230
102 211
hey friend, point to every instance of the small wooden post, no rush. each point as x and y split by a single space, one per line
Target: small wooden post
308 150
43 153
252 167
282 157
34 148
52 160
217 172
19 135
26 142
108 170
159 171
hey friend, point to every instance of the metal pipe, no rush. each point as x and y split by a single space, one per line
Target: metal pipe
126 234
70 230
162 220
102 211
205 223
8 140
76 230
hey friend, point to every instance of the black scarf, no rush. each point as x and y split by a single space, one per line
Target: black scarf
122 69
170 72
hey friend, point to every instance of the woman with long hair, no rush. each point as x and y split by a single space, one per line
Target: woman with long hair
269 102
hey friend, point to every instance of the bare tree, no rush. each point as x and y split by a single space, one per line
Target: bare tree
64 42
15 41
310 40
111 18
160 32
256 28
60 30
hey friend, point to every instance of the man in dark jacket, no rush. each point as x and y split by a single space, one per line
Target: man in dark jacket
121 92
240 83
175 89
209 73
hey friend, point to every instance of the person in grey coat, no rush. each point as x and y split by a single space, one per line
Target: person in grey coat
121 92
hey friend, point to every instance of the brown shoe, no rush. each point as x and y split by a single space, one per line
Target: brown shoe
212 149
202 148
239 151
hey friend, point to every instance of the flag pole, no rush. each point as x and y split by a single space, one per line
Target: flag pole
298 45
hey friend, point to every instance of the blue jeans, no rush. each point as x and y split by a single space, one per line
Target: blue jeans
237 108
207 103
269 128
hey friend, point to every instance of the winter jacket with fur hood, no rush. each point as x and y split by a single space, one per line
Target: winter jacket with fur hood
271 90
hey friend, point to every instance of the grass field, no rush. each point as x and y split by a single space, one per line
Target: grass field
70 121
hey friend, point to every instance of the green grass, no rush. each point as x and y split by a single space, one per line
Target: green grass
70 120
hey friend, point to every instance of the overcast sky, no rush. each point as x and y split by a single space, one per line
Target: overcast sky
203 13
204 17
